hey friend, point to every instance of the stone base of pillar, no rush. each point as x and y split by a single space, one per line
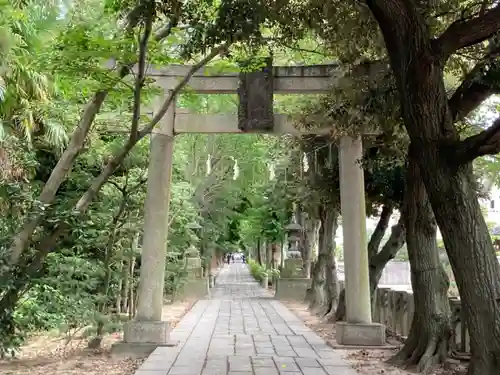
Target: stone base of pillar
292 289
141 338
360 334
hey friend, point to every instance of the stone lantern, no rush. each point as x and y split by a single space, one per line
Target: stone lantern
293 263
292 284
195 285
193 263
193 259
294 231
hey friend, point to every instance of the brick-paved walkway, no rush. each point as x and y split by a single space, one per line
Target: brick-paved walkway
243 331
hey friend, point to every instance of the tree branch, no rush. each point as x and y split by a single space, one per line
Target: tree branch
379 232
159 115
464 33
22 239
486 142
477 86
121 154
120 189
141 75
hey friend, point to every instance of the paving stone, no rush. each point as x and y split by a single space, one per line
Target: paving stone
313 371
263 362
184 370
286 365
264 350
156 365
266 371
307 362
213 371
263 344
305 352
333 361
242 331
286 353
340 370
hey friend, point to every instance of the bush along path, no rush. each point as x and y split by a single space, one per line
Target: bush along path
57 354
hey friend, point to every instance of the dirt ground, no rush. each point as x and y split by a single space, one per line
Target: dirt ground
365 361
49 355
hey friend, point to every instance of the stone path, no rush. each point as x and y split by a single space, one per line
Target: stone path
243 331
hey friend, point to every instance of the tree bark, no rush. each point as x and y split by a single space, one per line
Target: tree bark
311 232
377 261
427 343
323 294
269 255
22 239
122 287
259 249
131 294
417 61
380 230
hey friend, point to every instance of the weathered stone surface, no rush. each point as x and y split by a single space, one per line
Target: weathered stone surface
369 334
193 288
143 338
145 332
241 331
255 91
293 268
292 289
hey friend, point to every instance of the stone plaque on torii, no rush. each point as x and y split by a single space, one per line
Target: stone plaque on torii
147 328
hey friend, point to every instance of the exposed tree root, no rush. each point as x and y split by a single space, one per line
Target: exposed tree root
424 352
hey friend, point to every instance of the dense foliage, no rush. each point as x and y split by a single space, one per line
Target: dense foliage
75 134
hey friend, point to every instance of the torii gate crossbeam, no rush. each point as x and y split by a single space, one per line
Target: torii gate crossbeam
147 326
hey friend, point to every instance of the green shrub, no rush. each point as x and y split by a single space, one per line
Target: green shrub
256 270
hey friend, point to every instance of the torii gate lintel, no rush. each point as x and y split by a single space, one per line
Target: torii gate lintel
359 329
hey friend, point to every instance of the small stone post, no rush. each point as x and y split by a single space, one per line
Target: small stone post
359 329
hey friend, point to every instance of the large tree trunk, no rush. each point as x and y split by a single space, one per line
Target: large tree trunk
417 62
378 261
427 343
259 251
269 255
323 294
23 238
311 231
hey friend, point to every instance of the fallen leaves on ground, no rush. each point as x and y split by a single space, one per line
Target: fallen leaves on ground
49 355
365 361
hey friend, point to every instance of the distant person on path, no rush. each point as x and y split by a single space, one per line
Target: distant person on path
228 258
232 258
243 258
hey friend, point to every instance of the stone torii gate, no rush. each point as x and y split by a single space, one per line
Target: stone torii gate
147 330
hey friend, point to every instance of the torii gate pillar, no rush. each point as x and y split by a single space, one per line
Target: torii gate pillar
358 328
147 331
